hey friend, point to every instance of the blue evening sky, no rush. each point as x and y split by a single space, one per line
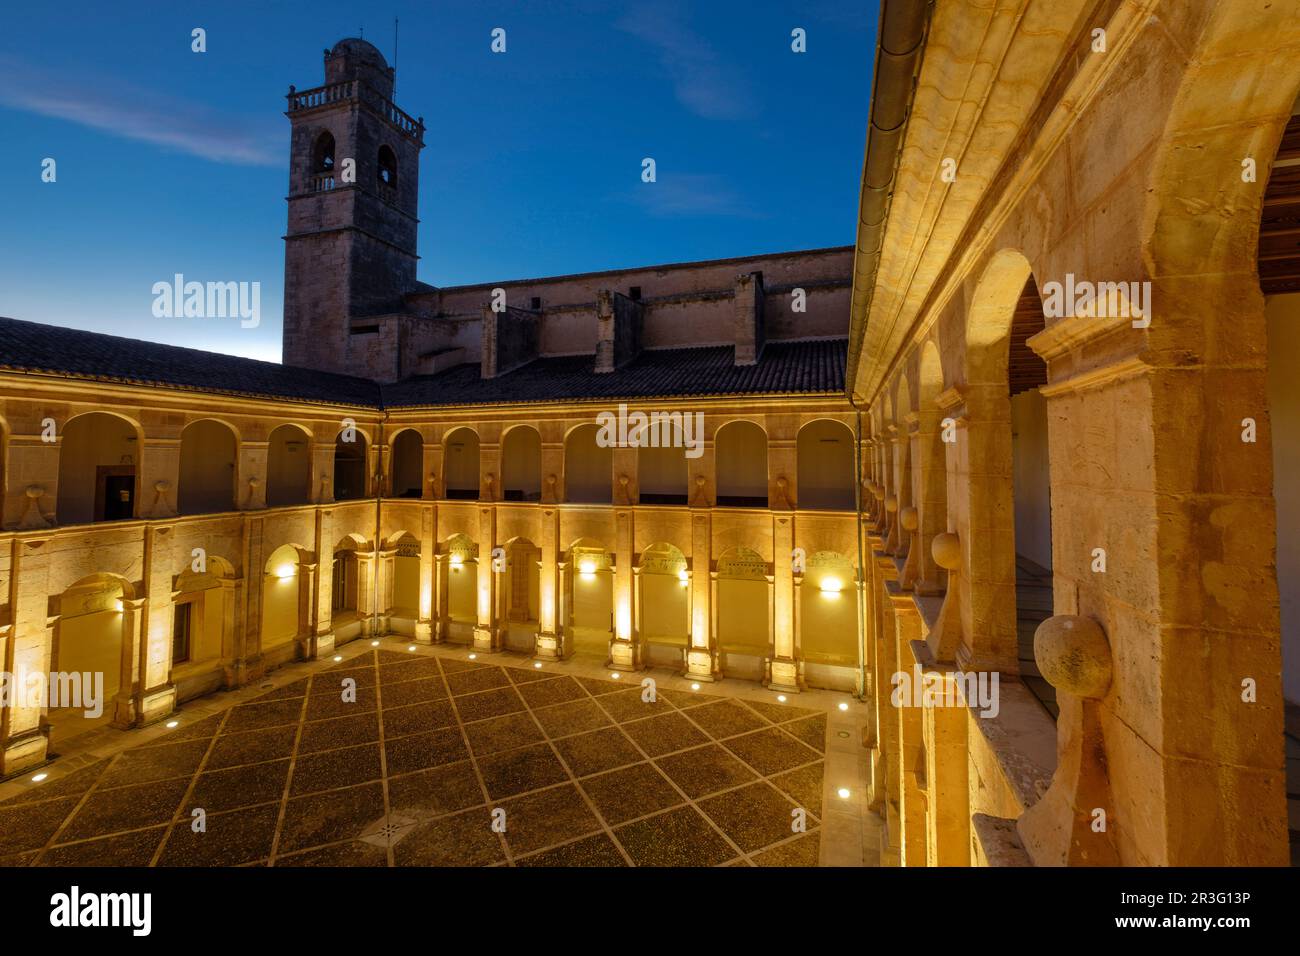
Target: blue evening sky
172 161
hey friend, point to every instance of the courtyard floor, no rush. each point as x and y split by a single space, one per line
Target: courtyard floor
417 769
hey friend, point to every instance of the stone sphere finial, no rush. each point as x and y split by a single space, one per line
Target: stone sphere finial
946 549
162 486
35 491
891 503
909 518
1073 655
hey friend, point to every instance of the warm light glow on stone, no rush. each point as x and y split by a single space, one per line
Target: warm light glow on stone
39 777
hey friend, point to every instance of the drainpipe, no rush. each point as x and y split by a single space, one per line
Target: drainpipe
862 567
900 45
374 570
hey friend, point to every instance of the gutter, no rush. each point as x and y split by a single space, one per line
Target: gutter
900 46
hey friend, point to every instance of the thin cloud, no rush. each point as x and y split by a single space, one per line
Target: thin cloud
137 114
702 81
692 194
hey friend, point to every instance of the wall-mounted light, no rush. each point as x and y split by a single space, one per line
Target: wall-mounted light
456 561
285 571
119 606
587 568
831 585
684 577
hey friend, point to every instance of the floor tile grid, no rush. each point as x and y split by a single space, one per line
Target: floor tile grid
685 712
659 770
686 799
473 761
574 779
374 663
179 814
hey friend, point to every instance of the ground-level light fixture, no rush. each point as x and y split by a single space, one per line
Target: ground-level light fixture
695 687
473 657
843 706
374 643
614 675
537 664
39 777
410 647
843 793
781 698
171 724
337 658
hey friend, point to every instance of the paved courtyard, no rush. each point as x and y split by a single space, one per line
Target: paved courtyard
428 758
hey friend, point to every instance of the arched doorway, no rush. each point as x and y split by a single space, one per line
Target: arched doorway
520 590
828 620
740 450
288 467
460 588
91 654
350 464
203 610
98 464
209 452
521 464
460 464
825 463
590 578
664 605
407 467
744 613
588 467
284 611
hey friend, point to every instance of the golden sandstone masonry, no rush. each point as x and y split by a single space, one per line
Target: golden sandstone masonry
1015 471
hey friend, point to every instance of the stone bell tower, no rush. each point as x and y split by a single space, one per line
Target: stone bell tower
350 248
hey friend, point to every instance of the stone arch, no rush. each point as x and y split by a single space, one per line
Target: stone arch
460 464
95 634
203 610
589 579
285 590
588 467
663 602
460 586
740 451
351 463
322 153
99 468
744 612
521 464
288 465
825 466
407 465
828 614
209 465
387 163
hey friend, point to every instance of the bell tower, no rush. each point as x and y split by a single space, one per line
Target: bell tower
350 248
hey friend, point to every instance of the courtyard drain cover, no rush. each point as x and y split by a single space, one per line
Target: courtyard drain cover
386 831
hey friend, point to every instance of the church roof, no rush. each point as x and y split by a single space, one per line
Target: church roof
784 368
33 347
808 367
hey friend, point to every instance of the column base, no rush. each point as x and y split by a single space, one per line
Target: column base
424 632
19 753
784 677
487 639
549 646
623 656
322 645
157 704
699 666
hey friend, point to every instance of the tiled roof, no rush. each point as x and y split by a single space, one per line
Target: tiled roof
32 347
785 367
813 367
